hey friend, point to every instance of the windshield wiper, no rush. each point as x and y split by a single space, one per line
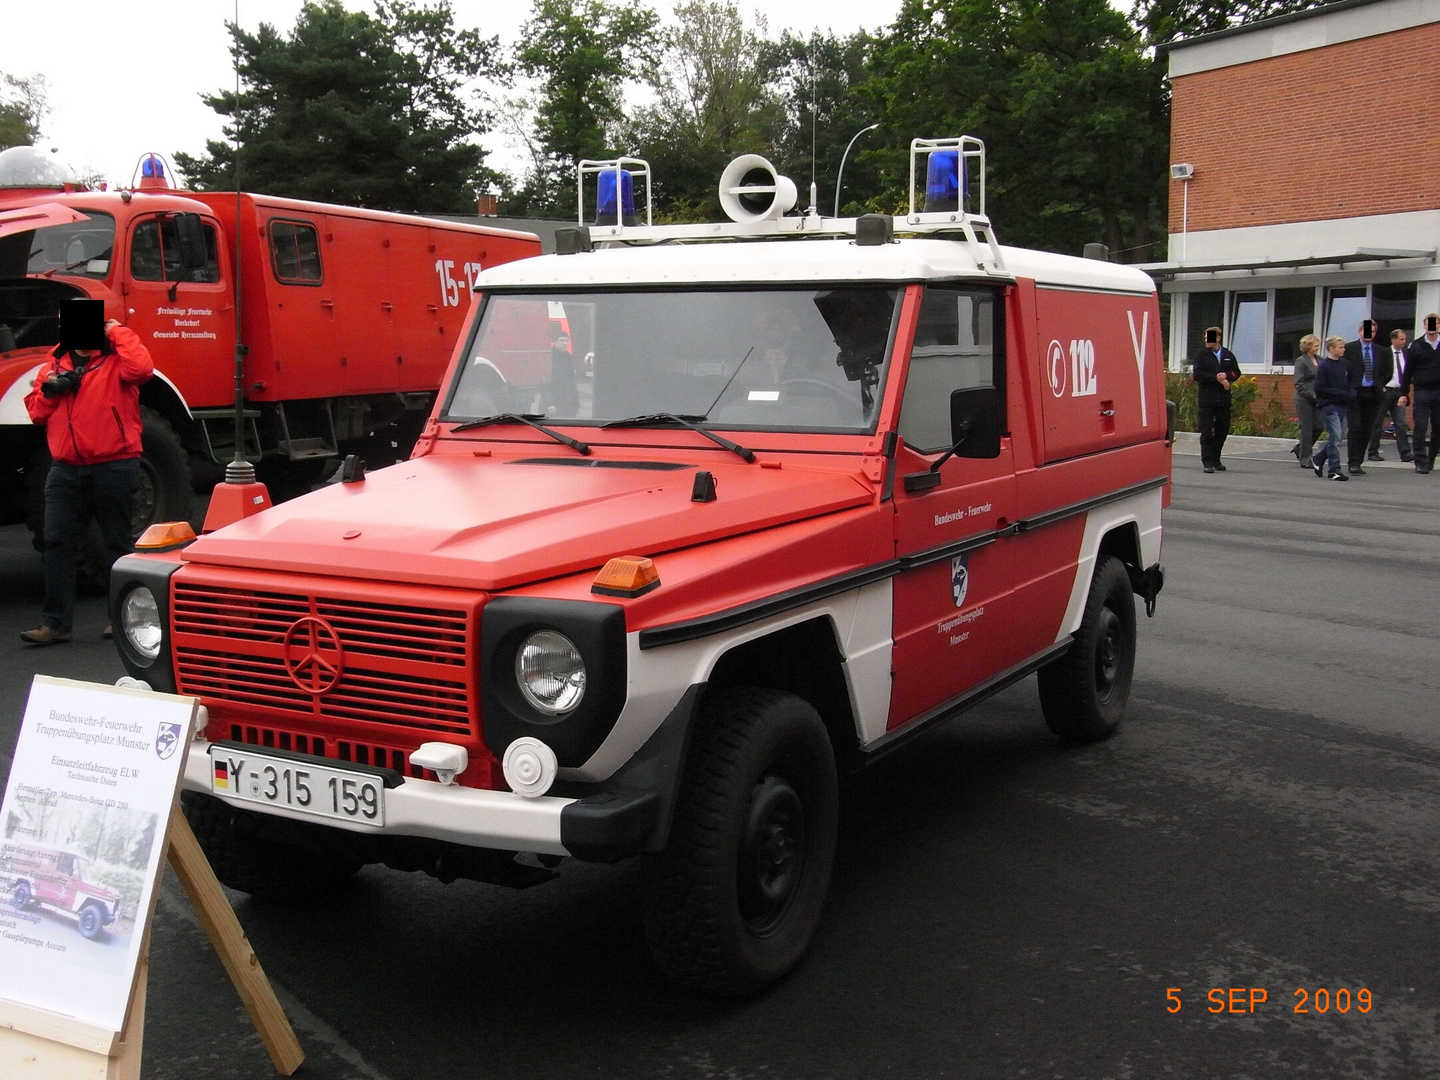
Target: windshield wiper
529 420
685 420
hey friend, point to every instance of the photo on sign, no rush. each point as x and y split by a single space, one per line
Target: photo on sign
77 862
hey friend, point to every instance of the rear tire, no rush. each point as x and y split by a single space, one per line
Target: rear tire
731 904
20 895
245 860
1083 693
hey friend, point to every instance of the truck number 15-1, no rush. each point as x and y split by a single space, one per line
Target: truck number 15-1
449 287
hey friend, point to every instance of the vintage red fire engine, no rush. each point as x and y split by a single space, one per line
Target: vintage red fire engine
812 489
349 317
56 880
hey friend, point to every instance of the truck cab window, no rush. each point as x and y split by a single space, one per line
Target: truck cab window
155 253
295 253
955 349
75 249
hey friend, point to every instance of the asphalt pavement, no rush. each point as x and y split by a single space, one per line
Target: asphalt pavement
1263 828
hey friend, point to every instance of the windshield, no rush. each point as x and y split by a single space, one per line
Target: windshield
762 359
79 248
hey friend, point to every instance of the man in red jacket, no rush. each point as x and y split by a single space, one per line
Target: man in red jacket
89 402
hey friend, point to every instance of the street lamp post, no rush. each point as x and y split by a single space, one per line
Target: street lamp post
841 174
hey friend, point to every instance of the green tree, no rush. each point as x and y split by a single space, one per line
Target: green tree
581 52
711 104
358 109
22 107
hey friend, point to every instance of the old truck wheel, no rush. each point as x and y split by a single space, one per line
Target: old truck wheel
91 921
163 494
730 906
20 895
245 860
1083 694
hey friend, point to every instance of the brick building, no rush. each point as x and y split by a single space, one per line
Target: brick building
1312 148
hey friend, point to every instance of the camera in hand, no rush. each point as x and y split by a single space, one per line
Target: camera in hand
62 382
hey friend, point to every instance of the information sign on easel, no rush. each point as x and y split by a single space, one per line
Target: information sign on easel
87 820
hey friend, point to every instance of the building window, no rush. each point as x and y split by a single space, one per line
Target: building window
1206 309
1393 308
1344 309
1294 318
295 253
1249 312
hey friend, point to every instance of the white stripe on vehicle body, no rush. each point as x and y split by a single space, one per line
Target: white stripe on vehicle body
1143 509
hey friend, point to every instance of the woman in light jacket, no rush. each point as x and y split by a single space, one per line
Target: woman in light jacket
1305 409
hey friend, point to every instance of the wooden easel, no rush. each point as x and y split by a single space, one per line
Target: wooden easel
39 1045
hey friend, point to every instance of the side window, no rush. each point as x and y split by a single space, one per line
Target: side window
956 348
295 253
155 253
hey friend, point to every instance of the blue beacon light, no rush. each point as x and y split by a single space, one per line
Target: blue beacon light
152 168
605 198
942 182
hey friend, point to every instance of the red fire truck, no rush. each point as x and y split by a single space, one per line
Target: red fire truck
56 880
349 317
817 486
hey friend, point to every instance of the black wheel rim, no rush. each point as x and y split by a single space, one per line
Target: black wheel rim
772 854
144 505
1109 649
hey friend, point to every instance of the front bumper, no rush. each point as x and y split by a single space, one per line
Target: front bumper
460 815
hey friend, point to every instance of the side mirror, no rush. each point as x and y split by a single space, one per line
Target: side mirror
191 232
975 422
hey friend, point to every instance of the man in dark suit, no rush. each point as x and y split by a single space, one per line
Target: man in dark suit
1361 356
1214 369
1389 374
1422 382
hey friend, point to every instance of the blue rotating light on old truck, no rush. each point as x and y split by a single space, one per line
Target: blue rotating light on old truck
612 187
943 182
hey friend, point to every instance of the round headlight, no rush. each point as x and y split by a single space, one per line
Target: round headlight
140 622
550 672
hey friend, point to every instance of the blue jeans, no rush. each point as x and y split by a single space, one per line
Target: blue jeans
1333 417
72 494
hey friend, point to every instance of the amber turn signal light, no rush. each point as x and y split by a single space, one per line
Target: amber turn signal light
164 535
626 575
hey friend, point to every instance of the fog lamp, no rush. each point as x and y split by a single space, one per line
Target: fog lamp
529 767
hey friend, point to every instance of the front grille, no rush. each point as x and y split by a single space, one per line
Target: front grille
404 653
362 753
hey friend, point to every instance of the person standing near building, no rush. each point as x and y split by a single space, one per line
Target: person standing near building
88 398
1360 356
1306 411
1422 382
1389 373
1334 394
1214 369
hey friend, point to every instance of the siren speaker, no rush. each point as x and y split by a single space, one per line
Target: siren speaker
751 190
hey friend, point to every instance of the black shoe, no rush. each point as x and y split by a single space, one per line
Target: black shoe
1356 470
1339 476
1319 468
1408 459
1375 457
1422 469
1219 467
1209 468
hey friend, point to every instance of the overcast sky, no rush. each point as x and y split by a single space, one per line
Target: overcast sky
124 78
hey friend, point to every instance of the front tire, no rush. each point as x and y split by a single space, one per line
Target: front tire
1083 694
20 895
91 922
731 904
244 859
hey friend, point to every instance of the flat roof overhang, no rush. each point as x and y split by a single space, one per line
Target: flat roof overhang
1169 271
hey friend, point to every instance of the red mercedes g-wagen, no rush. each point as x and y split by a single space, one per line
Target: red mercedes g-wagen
815 485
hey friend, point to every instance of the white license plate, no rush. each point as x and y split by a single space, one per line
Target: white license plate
239 773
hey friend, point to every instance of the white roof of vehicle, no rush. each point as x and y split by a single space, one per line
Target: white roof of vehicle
775 261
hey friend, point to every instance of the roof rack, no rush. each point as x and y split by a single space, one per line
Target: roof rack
960 223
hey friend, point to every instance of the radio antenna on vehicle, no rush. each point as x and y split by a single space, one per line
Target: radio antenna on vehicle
239 470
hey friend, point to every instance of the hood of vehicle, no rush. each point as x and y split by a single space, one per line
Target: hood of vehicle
490 524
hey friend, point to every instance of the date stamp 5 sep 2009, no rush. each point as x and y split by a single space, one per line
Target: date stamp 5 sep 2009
1245 1000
